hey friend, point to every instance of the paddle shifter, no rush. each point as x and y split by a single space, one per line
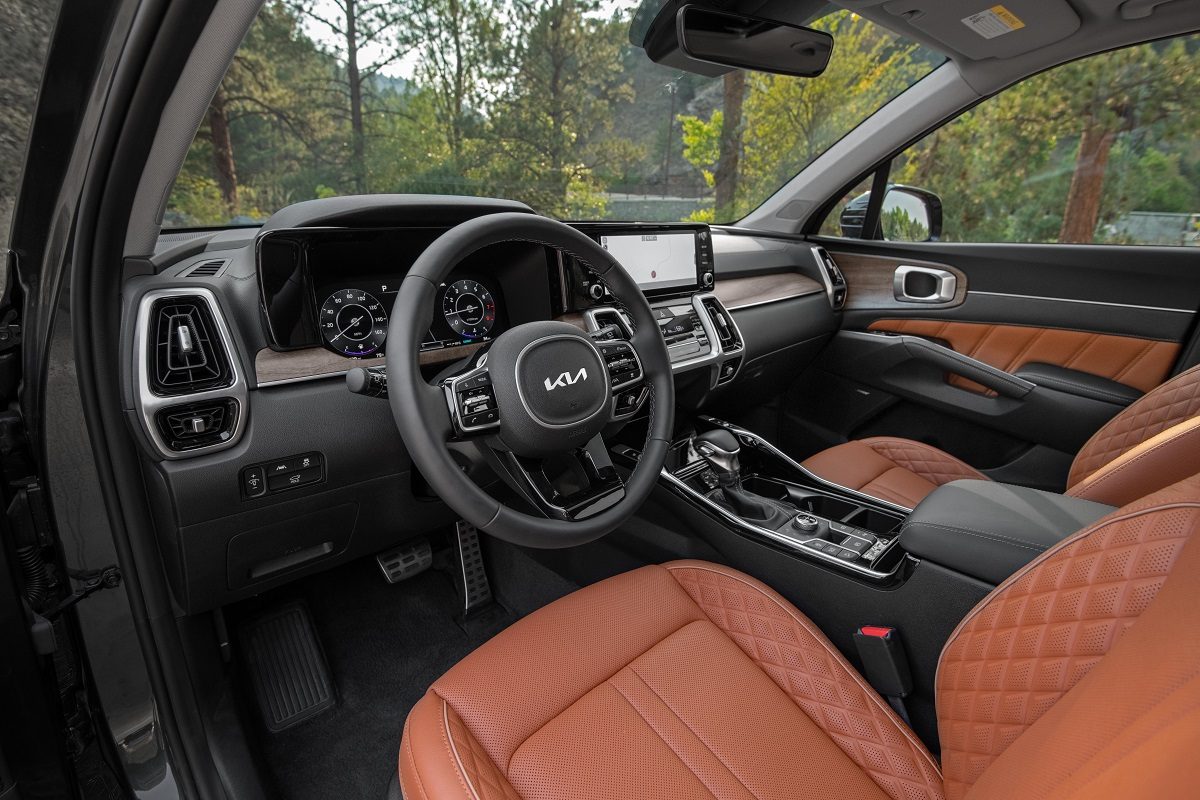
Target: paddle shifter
720 449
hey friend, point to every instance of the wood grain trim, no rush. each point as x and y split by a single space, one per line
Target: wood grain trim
869 281
1140 363
271 367
737 293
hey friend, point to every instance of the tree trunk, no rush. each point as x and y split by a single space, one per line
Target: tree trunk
358 167
726 175
1087 185
222 145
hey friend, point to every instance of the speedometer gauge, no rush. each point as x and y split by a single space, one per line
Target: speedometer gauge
353 322
469 309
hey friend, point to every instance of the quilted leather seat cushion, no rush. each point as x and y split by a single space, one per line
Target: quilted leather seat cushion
685 680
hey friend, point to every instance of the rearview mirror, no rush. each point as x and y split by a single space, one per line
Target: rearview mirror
732 40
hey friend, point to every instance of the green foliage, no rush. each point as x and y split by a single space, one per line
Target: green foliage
1005 170
702 142
545 101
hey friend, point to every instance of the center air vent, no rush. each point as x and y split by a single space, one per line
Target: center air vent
186 354
727 332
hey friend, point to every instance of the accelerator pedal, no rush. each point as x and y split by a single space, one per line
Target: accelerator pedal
406 560
286 666
472 578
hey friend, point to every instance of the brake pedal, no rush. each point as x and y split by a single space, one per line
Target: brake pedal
405 561
473 580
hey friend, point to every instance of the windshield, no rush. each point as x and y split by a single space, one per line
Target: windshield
542 101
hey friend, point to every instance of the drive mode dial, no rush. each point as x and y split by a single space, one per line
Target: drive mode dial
354 323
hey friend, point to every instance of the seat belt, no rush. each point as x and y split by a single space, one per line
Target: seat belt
885 665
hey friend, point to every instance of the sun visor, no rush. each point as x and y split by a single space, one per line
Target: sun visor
986 29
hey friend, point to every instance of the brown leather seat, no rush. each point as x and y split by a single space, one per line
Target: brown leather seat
1151 444
1078 677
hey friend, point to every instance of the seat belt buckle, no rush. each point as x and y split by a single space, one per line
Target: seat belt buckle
885 665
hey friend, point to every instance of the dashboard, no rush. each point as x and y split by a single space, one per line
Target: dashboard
334 287
263 466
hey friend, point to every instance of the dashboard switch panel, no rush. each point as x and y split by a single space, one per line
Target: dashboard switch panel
282 475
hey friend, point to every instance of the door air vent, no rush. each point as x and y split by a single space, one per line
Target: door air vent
832 277
185 351
192 425
206 269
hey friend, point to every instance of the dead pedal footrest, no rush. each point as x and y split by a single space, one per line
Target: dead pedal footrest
477 592
286 666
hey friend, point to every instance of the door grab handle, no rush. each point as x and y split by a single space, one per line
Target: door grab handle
938 285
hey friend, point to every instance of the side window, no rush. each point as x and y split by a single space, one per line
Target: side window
1101 150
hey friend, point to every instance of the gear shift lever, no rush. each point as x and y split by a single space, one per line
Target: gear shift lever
720 449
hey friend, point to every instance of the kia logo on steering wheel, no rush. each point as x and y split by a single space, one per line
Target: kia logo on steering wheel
566 379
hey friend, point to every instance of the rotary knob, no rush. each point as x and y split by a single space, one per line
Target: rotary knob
596 291
806 522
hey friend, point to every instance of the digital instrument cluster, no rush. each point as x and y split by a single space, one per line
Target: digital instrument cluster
354 321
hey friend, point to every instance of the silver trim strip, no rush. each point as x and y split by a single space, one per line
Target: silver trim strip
1190 312
792 543
757 303
149 403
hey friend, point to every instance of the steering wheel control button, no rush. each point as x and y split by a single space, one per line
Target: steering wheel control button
624 368
282 474
475 401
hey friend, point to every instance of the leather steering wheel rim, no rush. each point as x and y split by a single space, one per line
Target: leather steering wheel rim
421 412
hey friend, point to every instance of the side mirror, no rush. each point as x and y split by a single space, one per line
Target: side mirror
910 214
741 42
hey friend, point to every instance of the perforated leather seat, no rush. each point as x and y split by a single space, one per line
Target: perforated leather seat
1078 677
1152 443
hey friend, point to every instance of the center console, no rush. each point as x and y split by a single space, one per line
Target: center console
978 530
737 476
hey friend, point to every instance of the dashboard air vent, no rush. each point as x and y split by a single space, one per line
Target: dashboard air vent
835 282
727 332
206 269
186 354
193 425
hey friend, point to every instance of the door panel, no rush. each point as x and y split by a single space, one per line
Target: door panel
1113 320
1140 363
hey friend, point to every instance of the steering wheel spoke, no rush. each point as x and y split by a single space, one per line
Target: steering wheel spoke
568 487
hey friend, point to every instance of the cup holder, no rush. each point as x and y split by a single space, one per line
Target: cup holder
826 506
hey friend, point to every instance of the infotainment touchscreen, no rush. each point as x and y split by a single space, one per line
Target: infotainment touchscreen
656 260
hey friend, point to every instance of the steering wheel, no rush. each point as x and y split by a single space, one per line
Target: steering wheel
536 401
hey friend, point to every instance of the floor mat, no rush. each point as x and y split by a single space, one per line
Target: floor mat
385 644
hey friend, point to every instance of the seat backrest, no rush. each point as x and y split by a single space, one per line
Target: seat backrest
1080 675
1151 444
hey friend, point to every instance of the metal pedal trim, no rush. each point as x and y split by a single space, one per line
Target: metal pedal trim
405 561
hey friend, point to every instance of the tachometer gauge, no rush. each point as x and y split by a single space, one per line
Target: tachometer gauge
353 322
469 309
